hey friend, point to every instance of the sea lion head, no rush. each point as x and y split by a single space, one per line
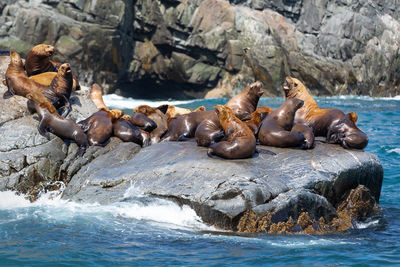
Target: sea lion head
15 59
224 113
201 108
126 117
116 114
43 50
144 109
346 133
64 69
255 89
292 86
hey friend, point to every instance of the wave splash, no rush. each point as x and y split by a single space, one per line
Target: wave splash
159 212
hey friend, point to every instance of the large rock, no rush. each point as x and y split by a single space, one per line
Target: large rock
181 49
280 183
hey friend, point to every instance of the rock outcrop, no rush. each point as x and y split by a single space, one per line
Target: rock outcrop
212 48
316 191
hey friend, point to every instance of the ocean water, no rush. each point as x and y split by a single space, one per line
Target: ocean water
146 231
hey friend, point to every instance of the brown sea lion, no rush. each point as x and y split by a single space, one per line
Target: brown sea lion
59 90
264 111
209 131
143 122
245 103
99 126
96 95
46 78
174 111
38 61
254 123
185 126
277 128
158 117
127 132
240 141
330 123
50 121
16 80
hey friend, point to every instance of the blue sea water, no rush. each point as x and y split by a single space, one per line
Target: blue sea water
157 232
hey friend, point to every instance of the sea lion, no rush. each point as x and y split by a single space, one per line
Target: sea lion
16 80
18 83
277 128
240 141
127 132
158 117
254 123
46 78
50 121
38 61
185 126
99 126
173 111
96 95
59 90
330 123
209 131
264 111
245 103
143 122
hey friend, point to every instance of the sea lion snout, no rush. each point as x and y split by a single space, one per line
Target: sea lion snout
49 50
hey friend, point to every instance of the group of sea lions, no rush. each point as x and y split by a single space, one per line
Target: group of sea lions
229 131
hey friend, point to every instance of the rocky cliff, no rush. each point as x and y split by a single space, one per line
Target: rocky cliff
212 48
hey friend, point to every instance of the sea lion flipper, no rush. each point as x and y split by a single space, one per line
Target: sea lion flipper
42 128
85 124
66 108
8 94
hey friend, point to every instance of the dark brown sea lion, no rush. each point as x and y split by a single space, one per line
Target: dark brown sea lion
38 61
209 131
99 126
240 141
50 121
143 122
277 128
158 117
330 123
245 103
127 132
185 126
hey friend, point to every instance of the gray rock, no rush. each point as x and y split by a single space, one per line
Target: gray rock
286 182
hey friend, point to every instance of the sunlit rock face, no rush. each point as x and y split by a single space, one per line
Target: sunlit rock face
213 48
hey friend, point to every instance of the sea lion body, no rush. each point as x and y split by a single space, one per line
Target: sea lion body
46 78
126 131
158 117
209 131
16 80
245 103
185 126
330 123
143 122
50 121
96 95
38 61
254 123
174 111
276 129
99 126
240 141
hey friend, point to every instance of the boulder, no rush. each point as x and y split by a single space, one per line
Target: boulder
281 184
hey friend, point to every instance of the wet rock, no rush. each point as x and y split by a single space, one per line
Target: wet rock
262 194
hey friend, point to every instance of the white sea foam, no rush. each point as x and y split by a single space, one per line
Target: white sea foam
364 225
305 243
50 206
394 150
356 97
116 101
